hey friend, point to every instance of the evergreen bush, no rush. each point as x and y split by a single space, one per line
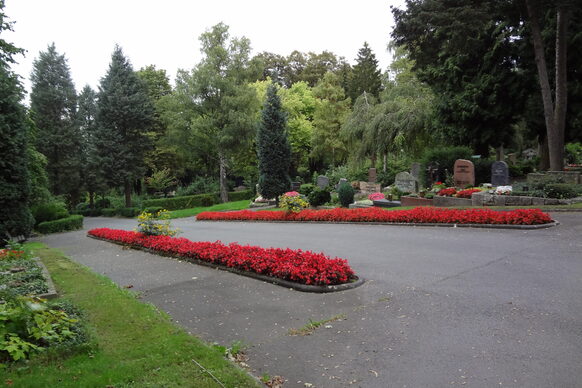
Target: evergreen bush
49 212
64 224
346 194
319 197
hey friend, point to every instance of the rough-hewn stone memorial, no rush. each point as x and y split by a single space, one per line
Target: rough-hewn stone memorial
406 183
464 173
322 181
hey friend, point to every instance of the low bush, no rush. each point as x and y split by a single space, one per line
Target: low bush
560 190
306 188
109 212
345 194
319 197
103 203
295 265
153 209
467 193
200 185
155 224
416 215
234 196
448 192
187 202
64 224
49 212
292 201
128 212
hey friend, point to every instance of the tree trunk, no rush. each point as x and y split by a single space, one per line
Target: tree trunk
500 154
373 160
127 193
555 116
384 162
91 199
222 178
544 154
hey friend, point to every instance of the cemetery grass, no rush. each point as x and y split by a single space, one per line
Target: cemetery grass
236 205
133 343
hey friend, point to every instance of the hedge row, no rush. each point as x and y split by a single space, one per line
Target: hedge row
64 224
199 200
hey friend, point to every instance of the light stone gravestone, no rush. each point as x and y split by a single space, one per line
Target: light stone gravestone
464 173
341 182
499 174
372 175
369 188
415 170
322 181
406 183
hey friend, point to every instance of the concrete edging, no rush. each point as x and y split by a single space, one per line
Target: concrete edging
52 292
483 226
269 279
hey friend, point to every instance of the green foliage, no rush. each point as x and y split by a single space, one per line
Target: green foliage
161 180
153 209
109 212
306 188
128 212
346 194
561 190
53 101
319 197
348 171
445 157
273 150
186 202
102 203
73 222
574 153
483 170
28 281
15 217
155 224
366 77
49 211
200 185
293 203
240 195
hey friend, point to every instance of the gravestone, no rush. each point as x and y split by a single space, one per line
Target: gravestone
499 174
415 170
341 182
372 175
406 183
295 186
433 173
369 188
322 181
464 173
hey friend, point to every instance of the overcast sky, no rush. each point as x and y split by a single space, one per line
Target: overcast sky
165 33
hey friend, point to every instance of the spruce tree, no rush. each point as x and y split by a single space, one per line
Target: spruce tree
53 101
124 116
366 77
15 217
274 151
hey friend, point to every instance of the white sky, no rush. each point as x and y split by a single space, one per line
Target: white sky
165 33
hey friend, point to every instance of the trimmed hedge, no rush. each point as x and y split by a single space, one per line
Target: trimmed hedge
129 212
109 212
64 224
199 200
49 212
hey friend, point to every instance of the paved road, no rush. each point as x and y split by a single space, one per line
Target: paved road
441 307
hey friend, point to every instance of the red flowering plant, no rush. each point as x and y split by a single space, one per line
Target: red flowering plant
376 196
294 265
437 186
374 214
467 193
448 192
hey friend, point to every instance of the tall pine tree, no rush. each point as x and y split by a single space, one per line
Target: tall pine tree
15 217
273 149
366 77
124 116
53 101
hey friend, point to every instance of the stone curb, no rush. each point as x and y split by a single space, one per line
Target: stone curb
490 226
269 279
52 292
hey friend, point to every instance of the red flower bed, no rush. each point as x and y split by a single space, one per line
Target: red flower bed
374 214
449 192
290 264
467 193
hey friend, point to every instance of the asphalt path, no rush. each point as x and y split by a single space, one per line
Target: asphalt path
440 307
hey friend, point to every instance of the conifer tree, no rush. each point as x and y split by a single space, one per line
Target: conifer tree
124 115
273 149
15 217
366 77
53 102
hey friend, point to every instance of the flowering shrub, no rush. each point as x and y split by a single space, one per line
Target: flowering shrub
157 224
437 186
503 190
448 192
9 254
376 196
290 264
467 193
292 201
374 214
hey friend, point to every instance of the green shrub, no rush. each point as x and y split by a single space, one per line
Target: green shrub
109 212
346 194
306 189
153 209
89 212
103 203
64 224
200 185
560 190
128 212
319 197
574 153
445 157
483 171
187 202
49 212
240 195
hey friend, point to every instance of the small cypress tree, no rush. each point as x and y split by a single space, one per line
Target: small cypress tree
274 151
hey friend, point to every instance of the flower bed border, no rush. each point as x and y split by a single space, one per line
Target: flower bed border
268 279
52 292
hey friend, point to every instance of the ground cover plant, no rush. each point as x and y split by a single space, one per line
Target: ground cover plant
19 274
416 215
134 344
295 265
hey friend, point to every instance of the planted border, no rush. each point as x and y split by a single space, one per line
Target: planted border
295 268
419 215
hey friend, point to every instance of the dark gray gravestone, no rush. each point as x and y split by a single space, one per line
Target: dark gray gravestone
499 174
295 186
406 183
322 181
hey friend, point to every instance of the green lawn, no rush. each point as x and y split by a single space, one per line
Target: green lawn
136 345
237 205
